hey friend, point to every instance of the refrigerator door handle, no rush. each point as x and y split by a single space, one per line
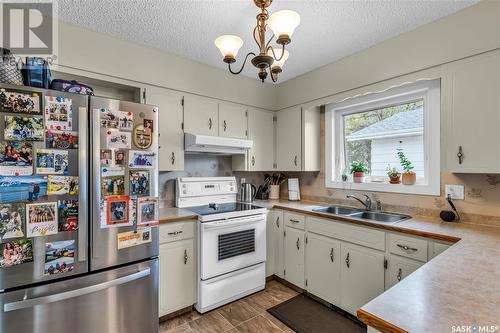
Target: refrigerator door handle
96 172
83 188
28 303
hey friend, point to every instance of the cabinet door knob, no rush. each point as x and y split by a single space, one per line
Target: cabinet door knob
331 255
185 257
400 274
173 158
209 123
295 160
298 243
347 260
278 221
407 248
253 160
460 155
225 125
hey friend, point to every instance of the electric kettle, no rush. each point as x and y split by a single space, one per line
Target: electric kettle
247 192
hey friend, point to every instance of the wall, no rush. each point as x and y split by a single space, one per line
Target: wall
94 53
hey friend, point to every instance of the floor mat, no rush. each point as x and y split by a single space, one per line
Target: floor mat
305 315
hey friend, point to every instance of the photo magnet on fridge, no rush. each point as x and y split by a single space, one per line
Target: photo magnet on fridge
143 138
23 128
117 211
120 158
61 139
59 257
16 253
62 185
41 219
120 120
16 158
51 161
58 113
106 157
112 181
14 189
15 101
117 139
11 221
139 182
141 159
147 212
68 215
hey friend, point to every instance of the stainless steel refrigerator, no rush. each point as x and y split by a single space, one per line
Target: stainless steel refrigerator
93 268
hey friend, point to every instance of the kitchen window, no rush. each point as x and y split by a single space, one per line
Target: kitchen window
374 128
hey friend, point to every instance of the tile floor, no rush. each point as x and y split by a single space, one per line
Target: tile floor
247 315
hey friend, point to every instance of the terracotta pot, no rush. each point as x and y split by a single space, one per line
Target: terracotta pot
395 178
358 177
409 178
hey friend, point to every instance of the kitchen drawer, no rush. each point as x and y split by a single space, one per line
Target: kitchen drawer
364 236
170 232
407 246
295 220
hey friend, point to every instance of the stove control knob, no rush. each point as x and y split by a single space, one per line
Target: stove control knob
232 189
184 192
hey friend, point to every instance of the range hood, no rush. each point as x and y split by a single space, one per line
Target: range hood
195 143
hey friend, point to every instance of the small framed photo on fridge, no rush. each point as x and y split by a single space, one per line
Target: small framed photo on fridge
147 212
117 211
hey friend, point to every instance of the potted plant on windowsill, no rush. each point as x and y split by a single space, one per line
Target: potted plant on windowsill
394 176
408 177
358 170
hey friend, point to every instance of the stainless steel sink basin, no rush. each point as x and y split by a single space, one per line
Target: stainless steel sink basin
380 217
361 214
337 210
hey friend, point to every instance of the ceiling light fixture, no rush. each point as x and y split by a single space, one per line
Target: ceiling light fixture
282 23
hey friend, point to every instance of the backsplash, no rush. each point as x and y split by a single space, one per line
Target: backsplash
194 166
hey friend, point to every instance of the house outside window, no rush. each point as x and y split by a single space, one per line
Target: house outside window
372 129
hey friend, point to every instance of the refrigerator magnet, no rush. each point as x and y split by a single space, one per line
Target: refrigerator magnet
147 212
67 215
117 211
59 257
16 253
23 128
118 140
141 159
139 182
143 138
14 189
41 219
51 161
61 139
120 120
133 238
12 221
18 101
16 158
114 184
62 185
58 113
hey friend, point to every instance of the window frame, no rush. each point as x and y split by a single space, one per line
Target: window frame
427 90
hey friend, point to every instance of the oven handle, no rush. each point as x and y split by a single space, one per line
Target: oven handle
232 223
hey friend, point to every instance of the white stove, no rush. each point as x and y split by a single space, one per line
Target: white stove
231 240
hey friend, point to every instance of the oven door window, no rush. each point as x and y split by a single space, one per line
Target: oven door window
236 243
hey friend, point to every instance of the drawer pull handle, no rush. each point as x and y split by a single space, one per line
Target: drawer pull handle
407 248
294 221
331 255
400 273
185 257
348 261
175 233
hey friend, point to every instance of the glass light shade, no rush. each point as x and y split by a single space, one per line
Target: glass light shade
229 45
283 22
277 52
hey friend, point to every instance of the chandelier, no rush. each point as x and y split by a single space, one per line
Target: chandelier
282 23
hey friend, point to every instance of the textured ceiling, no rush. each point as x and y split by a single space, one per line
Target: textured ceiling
329 30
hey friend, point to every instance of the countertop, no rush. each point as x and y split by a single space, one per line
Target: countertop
173 214
461 286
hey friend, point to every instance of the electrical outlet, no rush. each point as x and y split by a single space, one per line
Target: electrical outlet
456 192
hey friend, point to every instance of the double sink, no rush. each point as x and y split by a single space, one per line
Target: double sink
361 214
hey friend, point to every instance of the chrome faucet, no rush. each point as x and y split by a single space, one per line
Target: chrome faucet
367 203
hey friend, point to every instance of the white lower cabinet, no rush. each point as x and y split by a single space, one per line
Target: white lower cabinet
294 256
361 277
270 244
399 268
323 267
177 273
278 240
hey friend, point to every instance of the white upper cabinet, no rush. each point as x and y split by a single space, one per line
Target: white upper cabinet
171 135
298 139
201 115
473 107
232 120
289 139
261 131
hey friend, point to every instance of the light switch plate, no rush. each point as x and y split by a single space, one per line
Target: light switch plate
457 192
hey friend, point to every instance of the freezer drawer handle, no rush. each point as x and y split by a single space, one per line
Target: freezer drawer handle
29 303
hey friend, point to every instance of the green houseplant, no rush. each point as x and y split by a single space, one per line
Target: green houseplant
408 177
394 176
358 170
